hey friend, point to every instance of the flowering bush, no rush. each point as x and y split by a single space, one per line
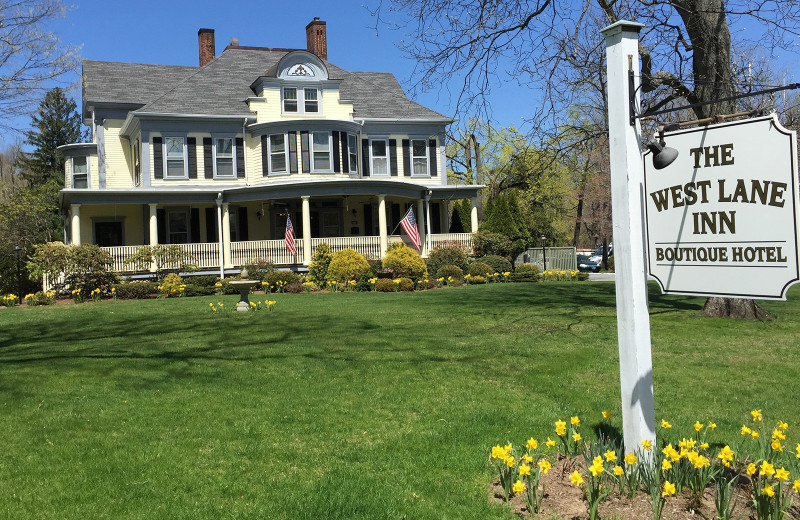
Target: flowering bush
40 298
757 466
173 286
10 300
405 262
347 265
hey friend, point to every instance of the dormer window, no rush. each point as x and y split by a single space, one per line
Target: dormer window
301 100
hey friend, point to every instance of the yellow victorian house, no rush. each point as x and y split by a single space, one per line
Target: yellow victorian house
216 157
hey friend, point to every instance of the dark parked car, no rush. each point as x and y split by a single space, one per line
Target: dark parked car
587 265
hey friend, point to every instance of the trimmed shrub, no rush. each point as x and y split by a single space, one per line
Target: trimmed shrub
498 264
347 264
486 243
450 270
523 277
289 277
582 276
432 283
479 268
405 262
476 280
198 290
395 245
259 268
447 254
173 285
294 288
405 285
205 280
527 268
374 266
136 290
320 260
384 285
363 284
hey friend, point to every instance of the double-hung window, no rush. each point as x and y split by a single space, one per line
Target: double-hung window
175 153
379 151
353 151
223 157
277 153
80 172
321 152
300 100
419 157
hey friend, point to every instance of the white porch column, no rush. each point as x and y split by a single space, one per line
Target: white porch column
627 192
75 224
421 229
428 227
306 229
382 224
219 238
153 222
226 235
474 214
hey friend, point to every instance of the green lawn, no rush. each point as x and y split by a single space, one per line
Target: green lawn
344 405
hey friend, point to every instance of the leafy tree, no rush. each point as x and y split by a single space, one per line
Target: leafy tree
167 258
31 55
55 123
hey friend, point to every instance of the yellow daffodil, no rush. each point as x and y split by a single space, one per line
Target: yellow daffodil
745 430
698 426
751 469
544 466
776 445
510 462
532 444
796 486
647 445
704 446
576 478
596 469
665 465
782 474
550 443
611 456
756 415
754 434
726 454
798 450
518 487
618 471
597 461
767 469
712 425
499 453
783 426
527 458
665 424
768 491
630 459
606 415
576 437
561 428
669 489
524 470
574 421
778 434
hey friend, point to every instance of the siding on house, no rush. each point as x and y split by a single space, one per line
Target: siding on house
117 155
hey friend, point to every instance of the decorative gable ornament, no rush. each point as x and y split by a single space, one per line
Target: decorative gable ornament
302 65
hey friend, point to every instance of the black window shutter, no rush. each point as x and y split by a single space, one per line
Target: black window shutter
406 158
436 218
345 152
432 157
368 227
194 225
304 152
211 225
393 157
161 224
365 157
239 158
395 216
336 162
243 223
292 136
158 158
208 158
264 155
191 153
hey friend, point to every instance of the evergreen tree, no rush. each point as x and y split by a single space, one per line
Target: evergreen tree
55 123
503 216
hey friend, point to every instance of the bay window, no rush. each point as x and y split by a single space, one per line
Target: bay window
80 172
277 153
321 152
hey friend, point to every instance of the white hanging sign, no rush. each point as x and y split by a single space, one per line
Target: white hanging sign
722 218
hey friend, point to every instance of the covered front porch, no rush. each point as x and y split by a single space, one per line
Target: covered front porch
229 228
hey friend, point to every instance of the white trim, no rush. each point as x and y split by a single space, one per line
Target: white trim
164 138
372 171
411 157
214 138
352 165
314 168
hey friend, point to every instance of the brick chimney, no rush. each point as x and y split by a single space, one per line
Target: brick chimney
205 41
317 39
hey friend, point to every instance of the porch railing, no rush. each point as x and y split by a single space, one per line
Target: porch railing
370 247
462 239
271 250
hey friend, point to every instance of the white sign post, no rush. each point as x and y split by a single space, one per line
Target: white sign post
627 189
722 218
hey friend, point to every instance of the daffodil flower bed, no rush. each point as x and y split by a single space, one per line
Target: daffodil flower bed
750 473
257 305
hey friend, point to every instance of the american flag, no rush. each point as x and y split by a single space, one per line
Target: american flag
409 224
289 236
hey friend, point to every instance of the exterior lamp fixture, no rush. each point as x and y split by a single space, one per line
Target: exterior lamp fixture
17 251
544 252
663 155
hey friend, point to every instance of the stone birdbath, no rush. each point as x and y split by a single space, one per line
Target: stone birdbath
244 285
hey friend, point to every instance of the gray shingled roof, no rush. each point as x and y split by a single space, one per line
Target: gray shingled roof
222 86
